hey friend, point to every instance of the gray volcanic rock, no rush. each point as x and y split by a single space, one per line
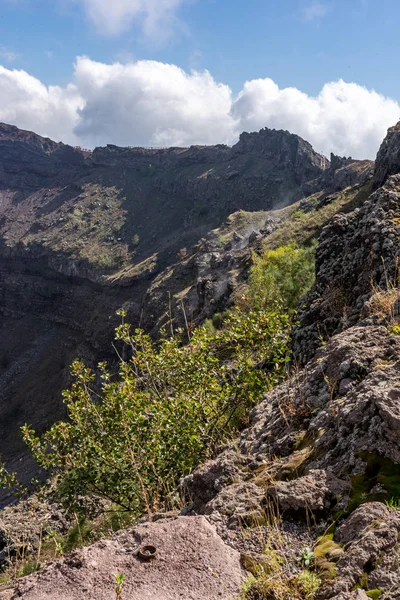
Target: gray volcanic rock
203 485
356 253
355 595
317 491
388 157
338 428
315 448
370 536
305 439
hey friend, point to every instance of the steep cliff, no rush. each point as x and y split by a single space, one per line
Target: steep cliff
388 157
357 258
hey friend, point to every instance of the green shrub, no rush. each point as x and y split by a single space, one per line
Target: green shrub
298 214
131 440
281 277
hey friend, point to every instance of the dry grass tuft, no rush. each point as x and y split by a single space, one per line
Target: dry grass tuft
382 301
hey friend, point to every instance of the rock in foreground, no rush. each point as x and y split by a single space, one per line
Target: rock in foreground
192 562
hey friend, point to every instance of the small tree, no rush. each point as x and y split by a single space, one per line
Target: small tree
131 440
279 278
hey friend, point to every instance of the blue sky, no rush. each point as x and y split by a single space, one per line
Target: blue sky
356 40
303 44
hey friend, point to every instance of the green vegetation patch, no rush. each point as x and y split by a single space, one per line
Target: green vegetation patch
279 278
87 227
326 546
301 227
379 470
278 586
375 594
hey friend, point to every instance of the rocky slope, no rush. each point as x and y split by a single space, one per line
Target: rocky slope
84 233
324 446
357 257
388 157
317 448
318 466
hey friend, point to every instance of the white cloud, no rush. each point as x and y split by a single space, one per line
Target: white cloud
155 104
151 103
111 17
314 11
27 102
344 118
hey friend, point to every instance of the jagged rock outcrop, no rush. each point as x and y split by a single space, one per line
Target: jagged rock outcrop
324 442
315 492
388 158
343 403
340 172
286 151
357 254
344 172
313 422
205 281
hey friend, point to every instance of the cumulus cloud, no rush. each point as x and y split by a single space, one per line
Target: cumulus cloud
111 17
344 118
150 103
50 111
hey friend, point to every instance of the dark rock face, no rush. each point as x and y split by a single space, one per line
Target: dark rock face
341 172
168 198
356 253
344 172
388 157
286 151
46 320
28 161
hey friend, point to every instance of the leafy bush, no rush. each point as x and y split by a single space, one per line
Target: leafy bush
131 438
280 277
298 214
